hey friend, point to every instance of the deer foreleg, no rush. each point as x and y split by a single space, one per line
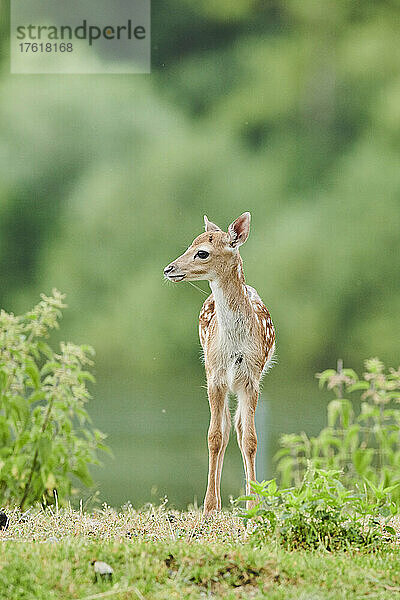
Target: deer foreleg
239 435
216 446
247 407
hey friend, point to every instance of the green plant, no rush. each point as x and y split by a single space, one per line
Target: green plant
45 431
321 512
362 439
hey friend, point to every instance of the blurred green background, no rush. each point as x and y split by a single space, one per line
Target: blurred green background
288 109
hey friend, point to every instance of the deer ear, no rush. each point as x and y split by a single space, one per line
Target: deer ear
239 230
210 226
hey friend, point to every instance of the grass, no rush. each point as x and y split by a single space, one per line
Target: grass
159 554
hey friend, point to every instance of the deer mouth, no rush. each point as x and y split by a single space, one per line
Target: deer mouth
176 277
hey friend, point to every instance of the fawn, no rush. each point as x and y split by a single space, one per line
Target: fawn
238 340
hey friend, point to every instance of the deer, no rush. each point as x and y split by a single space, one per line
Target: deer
238 341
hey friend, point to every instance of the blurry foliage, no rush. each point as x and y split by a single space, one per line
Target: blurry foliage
362 439
291 113
45 431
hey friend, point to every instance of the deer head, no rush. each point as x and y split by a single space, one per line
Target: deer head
211 254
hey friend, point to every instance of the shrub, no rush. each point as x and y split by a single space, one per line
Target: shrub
320 512
45 431
362 439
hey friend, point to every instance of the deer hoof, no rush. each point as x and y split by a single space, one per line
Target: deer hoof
210 505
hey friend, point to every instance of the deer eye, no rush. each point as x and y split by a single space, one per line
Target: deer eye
203 254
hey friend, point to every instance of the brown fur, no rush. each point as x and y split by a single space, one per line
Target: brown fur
238 339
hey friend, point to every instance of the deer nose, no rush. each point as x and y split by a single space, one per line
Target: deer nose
168 269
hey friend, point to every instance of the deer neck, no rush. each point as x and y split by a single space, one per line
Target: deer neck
232 303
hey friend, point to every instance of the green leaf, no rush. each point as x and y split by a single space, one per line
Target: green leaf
86 375
351 437
3 379
362 458
281 453
21 408
45 349
390 529
335 409
272 487
245 498
49 367
360 385
389 489
82 472
34 375
325 376
37 396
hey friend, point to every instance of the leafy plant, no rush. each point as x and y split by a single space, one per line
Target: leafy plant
362 439
320 512
45 430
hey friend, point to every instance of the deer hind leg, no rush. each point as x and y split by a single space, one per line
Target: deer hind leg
246 431
217 440
239 435
226 428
